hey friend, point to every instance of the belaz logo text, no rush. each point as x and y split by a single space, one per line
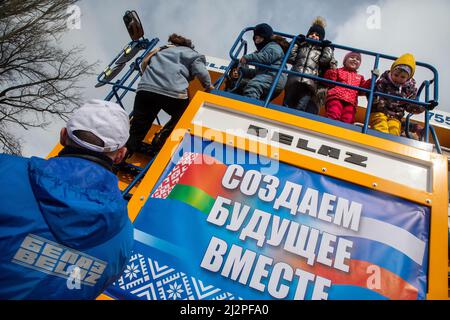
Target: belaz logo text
52 258
303 144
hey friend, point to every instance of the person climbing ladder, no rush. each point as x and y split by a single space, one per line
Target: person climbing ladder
165 80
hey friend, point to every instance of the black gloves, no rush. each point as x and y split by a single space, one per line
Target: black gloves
326 43
300 38
433 104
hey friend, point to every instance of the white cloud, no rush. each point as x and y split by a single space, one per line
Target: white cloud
421 28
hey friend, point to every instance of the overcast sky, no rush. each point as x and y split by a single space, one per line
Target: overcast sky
419 27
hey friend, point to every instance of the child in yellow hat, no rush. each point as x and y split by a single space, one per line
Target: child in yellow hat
386 114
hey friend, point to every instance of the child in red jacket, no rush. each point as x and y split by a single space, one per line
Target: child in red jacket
341 102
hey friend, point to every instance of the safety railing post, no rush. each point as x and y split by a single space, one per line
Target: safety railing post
427 112
227 70
118 100
138 178
407 122
280 72
233 56
119 84
371 95
436 140
435 82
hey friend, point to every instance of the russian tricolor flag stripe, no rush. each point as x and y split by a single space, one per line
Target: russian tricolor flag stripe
376 230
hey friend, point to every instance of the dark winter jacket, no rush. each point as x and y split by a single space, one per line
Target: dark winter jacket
272 54
309 59
391 107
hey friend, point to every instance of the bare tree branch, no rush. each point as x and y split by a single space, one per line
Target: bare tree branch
37 77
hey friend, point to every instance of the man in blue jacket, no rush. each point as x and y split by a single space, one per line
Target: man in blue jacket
64 227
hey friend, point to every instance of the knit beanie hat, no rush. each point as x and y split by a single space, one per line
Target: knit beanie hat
407 63
263 30
318 26
266 32
352 54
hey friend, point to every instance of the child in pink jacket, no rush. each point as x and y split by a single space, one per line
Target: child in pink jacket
341 102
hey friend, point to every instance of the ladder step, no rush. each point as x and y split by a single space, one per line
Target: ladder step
138 178
128 196
129 169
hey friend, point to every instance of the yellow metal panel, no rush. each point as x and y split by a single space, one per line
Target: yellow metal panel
143 192
314 126
57 149
291 120
438 256
436 200
318 166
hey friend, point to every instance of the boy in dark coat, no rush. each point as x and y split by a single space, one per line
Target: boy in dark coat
270 53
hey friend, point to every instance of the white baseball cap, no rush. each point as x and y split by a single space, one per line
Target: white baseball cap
106 120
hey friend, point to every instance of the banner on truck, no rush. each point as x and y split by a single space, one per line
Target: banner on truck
217 227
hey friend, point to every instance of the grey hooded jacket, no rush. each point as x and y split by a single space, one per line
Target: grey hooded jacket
308 58
171 69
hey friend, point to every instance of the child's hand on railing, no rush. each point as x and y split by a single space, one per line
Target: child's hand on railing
433 105
376 72
300 38
326 43
243 60
415 109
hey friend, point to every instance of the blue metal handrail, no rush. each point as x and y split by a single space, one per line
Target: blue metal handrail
425 85
428 104
141 174
243 45
280 72
120 84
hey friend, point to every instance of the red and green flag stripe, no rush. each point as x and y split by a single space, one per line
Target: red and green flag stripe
201 184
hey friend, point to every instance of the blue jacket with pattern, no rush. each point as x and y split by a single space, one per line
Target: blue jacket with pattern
64 228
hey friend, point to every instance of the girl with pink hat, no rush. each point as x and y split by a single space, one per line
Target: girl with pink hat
341 102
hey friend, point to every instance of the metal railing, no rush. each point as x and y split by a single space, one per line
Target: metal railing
239 45
134 68
126 86
428 104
